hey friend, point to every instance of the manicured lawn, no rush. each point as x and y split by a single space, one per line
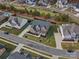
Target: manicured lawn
9 49
74 46
48 40
14 30
62 58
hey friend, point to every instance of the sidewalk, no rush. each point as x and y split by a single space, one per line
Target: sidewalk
18 48
25 31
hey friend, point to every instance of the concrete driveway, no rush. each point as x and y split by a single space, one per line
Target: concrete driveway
58 40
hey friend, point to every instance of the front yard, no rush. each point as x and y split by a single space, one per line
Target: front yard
74 46
14 30
48 40
62 58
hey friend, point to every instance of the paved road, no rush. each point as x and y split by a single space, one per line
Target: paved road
27 49
37 46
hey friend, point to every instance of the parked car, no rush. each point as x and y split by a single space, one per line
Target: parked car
6 33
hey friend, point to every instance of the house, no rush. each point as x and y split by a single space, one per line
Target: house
43 2
69 32
7 14
17 22
20 1
51 2
62 3
2 49
69 3
1 1
31 2
73 1
39 27
2 18
20 55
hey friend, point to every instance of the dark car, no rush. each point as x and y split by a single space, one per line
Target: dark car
6 33
70 51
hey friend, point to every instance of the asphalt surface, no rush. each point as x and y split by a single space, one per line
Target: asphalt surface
37 46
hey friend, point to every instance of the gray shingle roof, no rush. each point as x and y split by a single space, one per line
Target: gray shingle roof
70 31
18 55
39 26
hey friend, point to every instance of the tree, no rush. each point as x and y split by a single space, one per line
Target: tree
62 17
31 12
12 8
48 15
26 10
36 13
21 10
2 6
43 14
65 18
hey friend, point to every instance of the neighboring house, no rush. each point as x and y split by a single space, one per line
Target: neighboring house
17 22
2 18
69 32
39 27
69 3
51 2
43 2
32 2
62 3
2 49
73 1
7 14
1 1
18 55
20 1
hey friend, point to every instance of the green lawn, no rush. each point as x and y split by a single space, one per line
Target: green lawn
62 58
74 46
9 49
48 40
14 30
